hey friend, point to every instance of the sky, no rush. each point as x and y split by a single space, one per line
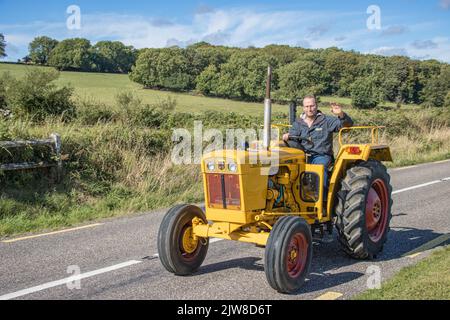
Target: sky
415 28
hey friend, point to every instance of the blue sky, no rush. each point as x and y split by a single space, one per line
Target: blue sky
418 29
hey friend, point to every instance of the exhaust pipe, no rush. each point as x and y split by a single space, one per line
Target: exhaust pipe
292 112
267 111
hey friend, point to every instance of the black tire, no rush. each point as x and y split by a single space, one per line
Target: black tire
170 248
354 234
277 250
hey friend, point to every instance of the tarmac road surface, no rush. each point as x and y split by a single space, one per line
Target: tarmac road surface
115 258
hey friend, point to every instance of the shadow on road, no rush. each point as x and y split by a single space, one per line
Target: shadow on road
329 258
250 263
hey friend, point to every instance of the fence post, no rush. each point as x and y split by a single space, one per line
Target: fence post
57 141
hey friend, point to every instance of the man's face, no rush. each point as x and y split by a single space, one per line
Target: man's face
309 107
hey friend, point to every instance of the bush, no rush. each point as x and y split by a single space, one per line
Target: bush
91 112
3 84
365 93
37 95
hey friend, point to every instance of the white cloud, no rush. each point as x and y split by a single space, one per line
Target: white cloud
439 51
232 27
424 44
445 4
390 51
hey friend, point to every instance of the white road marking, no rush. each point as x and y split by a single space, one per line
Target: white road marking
330 295
421 185
419 165
403 168
67 280
51 233
411 256
426 246
327 296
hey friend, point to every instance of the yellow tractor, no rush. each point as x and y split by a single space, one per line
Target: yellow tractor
280 207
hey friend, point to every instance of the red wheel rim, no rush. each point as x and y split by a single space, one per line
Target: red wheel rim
376 210
297 255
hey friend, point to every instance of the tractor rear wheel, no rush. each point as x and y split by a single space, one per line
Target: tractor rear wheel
363 211
179 251
288 254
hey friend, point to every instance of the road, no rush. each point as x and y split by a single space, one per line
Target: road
116 257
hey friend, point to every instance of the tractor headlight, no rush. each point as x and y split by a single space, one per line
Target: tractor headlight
232 167
211 166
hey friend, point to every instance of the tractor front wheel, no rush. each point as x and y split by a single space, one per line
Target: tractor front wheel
363 211
179 250
288 254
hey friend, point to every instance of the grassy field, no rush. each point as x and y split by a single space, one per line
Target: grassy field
119 156
103 87
427 280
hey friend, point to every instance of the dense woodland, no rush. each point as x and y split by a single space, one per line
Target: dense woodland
239 73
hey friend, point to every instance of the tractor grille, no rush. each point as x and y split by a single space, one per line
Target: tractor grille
223 191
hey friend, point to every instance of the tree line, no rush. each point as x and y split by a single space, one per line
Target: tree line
239 73
78 54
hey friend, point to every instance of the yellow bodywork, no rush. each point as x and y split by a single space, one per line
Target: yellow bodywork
269 190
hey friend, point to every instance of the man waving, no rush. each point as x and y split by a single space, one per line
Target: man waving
318 128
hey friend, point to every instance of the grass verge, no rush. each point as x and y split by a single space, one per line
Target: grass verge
429 279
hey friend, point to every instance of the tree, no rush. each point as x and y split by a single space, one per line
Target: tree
144 71
436 88
365 93
343 68
301 78
207 81
244 75
40 49
163 68
113 56
2 46
72 54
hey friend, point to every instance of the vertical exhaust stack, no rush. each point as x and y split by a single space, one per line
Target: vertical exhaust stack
267 111
292 112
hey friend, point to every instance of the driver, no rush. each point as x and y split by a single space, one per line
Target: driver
318 128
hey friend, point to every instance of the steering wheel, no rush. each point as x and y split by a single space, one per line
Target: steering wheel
299 140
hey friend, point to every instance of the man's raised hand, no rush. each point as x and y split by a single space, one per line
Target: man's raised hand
336 109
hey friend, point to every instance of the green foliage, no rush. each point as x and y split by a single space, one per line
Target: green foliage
112 56
71 54
40 49
38 96
2 46
365 93
163 68
239 73
5 79
301 78
244 76
342 67
208 81
447 100
436 89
